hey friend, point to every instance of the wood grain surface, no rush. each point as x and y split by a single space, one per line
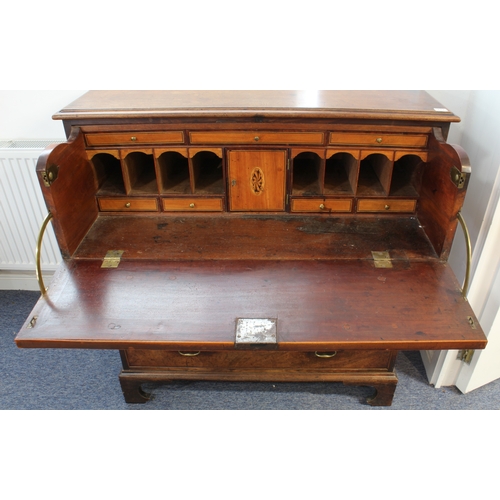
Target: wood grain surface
319 305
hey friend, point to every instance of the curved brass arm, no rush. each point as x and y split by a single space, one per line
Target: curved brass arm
38 254
465 287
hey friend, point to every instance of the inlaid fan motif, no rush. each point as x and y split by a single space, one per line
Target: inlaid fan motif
257 181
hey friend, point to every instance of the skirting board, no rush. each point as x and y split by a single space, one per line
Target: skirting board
22 280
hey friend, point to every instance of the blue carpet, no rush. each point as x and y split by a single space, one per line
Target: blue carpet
63 379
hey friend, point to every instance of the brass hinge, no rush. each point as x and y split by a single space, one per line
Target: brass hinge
458 178
466 355
382 259
50 175
112 259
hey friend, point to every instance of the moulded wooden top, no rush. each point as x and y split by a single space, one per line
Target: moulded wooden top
345 104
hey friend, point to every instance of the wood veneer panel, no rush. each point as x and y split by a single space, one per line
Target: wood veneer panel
256 137
248 195
319 305
132 138
238 359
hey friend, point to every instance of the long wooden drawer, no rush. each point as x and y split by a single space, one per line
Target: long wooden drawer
374 139
386 205
320 205
243 359
256 137
130 138
192 204
128 204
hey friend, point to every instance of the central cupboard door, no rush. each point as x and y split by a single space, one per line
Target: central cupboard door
257 180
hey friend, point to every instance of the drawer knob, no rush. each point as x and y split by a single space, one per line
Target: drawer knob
256 138
325 354
322 206
127 205
133 138
387 207
191 205
379 139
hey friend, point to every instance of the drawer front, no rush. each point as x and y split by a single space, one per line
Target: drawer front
256 137
192 204
234 360
128 204
320 205
386 205
383 140
130 138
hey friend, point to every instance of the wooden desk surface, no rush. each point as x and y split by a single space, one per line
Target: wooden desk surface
195 305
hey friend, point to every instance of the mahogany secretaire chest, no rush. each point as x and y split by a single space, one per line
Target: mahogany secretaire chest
254 235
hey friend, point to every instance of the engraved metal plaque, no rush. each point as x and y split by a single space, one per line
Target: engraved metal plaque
255 331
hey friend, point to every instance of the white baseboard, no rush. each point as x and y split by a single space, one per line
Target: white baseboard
22 280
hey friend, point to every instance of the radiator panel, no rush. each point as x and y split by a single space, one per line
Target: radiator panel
22 210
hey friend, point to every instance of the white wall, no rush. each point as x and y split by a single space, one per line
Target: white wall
478 134
27 114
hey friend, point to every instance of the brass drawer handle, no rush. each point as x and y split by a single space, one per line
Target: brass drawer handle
133 138
322 206
190 354
379 139
325 355
387 207
191 205
127 205
256 138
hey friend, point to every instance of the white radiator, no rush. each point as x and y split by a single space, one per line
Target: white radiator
22 210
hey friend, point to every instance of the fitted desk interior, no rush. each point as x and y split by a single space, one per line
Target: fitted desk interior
252 235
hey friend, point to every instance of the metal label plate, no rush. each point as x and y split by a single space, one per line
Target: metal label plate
256 331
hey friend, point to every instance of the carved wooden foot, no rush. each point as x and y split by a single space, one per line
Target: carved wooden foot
132 391
384 393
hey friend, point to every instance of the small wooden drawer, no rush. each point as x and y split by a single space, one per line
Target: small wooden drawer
247 359
128 204
320 205
256 137
386 205
131 138
383 140
192 204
